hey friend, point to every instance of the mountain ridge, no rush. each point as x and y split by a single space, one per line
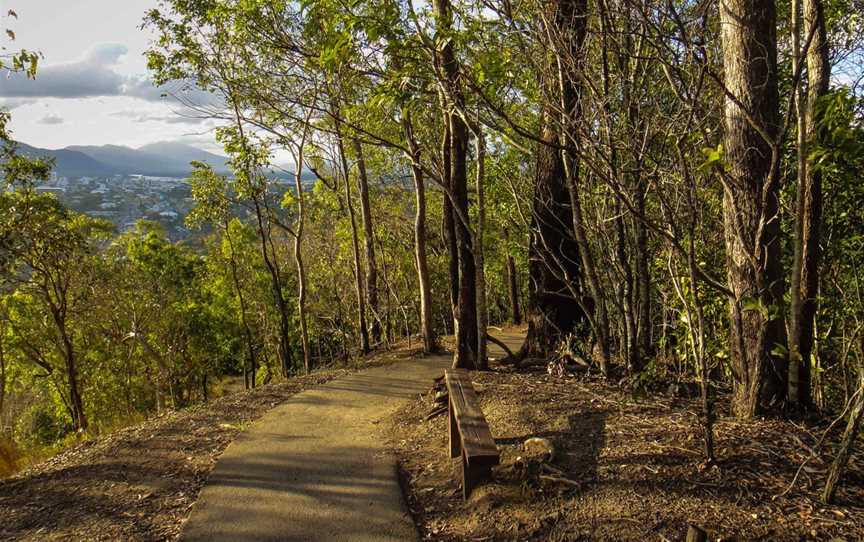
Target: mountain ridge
161 159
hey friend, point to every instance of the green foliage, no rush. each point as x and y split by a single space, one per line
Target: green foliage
41 426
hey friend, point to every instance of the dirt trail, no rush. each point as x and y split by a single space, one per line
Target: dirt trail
315 467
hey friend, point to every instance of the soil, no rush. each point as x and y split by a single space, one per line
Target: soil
624 469
140 483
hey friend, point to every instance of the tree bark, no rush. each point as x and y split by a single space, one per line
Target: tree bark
466 310
427 329
252 368
362 328
449 223
482 311
553 260
750 202
298 259
512 285
554 268
808 216
368 242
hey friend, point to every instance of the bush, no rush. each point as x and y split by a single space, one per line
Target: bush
42 427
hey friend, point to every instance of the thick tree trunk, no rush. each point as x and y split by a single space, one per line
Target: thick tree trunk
555 273
553 257
426 326
750 203
808 216
466 310
368 242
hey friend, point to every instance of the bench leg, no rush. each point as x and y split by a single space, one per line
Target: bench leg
473 476
455 443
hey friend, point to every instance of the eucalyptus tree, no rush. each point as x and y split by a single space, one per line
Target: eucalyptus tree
804 283
46 251
453 93
213 201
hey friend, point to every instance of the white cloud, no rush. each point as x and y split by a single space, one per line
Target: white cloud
51 119
95 74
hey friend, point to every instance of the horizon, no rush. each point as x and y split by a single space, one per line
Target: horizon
92 86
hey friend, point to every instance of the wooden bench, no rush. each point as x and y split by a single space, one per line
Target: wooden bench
469 433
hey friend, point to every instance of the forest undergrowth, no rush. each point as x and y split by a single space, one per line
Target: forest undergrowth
624 468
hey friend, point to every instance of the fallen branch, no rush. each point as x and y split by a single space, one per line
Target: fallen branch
493 340
436 412
560 480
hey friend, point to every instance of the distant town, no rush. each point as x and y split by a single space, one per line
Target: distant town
124 185
125 199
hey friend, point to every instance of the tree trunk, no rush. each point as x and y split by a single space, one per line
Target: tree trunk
276 285
554 308
553 260
750 202
466 309
252 367
512 285
426 325
449 224
795 361
2 372
595 304
853 425
79 419
355 245
482 311
301 269
368 242
808 215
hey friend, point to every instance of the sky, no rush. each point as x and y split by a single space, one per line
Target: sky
92 87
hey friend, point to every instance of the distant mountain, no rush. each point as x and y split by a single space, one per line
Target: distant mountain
185 153
70 163
158 159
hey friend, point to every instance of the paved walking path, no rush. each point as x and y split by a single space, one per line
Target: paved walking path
314 468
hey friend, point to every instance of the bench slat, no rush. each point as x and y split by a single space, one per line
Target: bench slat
477 441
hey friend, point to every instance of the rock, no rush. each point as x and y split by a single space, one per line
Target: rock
539 448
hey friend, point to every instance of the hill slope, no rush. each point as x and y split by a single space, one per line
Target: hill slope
165 159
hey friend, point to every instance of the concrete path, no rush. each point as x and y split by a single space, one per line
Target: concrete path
314 468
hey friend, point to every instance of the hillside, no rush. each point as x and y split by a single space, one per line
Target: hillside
70 163
166 159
